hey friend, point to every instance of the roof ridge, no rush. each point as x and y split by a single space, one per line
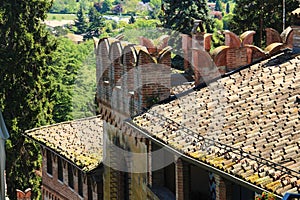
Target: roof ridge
62 123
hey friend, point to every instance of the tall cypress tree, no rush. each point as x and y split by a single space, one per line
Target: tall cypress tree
25 48
179 15
261 14
81 21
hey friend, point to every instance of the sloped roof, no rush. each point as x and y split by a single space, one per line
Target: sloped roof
245 124
79 141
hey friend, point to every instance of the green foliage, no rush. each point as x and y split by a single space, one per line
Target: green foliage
110 26
64 69
25 50
81 21
218 6
141 27
106 6
85 84
72 71
95 25
181 20
259 15
226 21
218 38
129 6
59 31
64 6
156 9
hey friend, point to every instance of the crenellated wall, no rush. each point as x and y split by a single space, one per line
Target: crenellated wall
130 78
239 50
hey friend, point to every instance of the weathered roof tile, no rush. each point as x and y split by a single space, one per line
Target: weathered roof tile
253 118
79 141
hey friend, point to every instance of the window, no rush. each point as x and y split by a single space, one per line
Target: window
60 170
70 176
49 162
80 186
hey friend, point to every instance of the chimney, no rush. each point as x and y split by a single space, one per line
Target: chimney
296 30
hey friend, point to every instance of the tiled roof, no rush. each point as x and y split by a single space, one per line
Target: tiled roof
80 141
246 124
181 88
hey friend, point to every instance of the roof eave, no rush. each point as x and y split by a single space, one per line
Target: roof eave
65 158
199 163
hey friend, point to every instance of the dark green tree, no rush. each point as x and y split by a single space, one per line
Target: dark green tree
218 6
179 19
227 8
81 21
64 67
25 50
106 6
258 15
131 20
95 25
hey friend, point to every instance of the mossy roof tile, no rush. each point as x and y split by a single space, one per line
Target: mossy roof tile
79 141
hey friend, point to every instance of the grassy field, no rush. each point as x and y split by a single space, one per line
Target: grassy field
52 16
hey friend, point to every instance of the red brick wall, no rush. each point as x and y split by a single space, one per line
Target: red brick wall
179 180
223 188
125 76
236 57
53 189
272 36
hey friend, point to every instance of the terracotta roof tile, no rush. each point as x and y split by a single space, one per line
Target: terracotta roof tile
246 124
79 141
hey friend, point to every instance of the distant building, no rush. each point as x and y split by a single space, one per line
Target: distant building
75 38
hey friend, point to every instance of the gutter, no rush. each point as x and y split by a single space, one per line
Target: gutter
201 164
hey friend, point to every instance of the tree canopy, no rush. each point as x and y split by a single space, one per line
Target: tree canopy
25 50
179 19
81 21
258 15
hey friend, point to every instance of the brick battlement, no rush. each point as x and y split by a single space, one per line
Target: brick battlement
239 51
132 77
129 78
